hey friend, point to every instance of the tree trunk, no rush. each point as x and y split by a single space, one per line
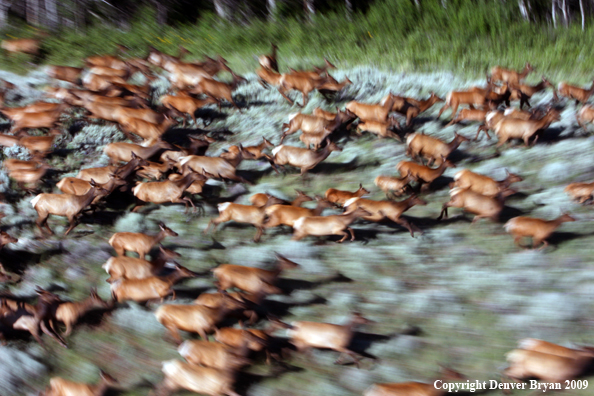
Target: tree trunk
523 10
554 13
565 13
161 13
51 14
33 12
80 17
582 13
271 9
4 7
221 9
310 10
349 9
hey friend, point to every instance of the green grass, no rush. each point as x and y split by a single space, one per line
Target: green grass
466 37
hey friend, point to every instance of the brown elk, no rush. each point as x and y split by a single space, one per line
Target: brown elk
222 167
381 129
71 185
66 205
378 210
69 312
508 129
257 150
219 90
306 335
369 112
327 225
483 184
299 82
419 145
432 388
204 380
268 77
277 215
301 158
166 191
306 122
423 174
269 62
498 73
118 152
103 174
40 145
393 186
576 93
29 177
185 105
548 367
198 146
524 92
65 73
213 354
147 130
538 229
339 197
481 205
194 318
42 119
156 170
26 46
229 211
138 242
585 115
153 287
250 279
60 387
580 191
493 117
124 267
471 98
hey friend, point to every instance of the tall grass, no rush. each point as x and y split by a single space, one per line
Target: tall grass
465 37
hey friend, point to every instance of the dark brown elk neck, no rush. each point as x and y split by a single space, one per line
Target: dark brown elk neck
86 199
127 169
425 104
323 153
440 169
235 161
147 152
299 200
455 143
87 304
173 277
186 181
524 73
407 203
317 211
100 388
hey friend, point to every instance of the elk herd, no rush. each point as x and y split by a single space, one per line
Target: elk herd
153 170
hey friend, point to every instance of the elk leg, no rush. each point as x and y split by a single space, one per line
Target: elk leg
405 224
202 334
285 96
478 217
544 244
535 139
517 240
73 223
443 108
216 222
174 332
258 234
344 234
68 330
305 98
55 336
42 221
444 211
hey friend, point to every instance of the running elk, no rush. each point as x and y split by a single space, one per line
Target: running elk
137 242
480 205
327 225
537 229
419 145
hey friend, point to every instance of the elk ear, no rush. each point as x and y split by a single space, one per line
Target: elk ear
134 155
162 225
93 183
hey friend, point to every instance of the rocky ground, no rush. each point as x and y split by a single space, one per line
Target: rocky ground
458 295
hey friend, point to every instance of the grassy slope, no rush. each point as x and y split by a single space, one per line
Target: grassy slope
466 37
469 289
